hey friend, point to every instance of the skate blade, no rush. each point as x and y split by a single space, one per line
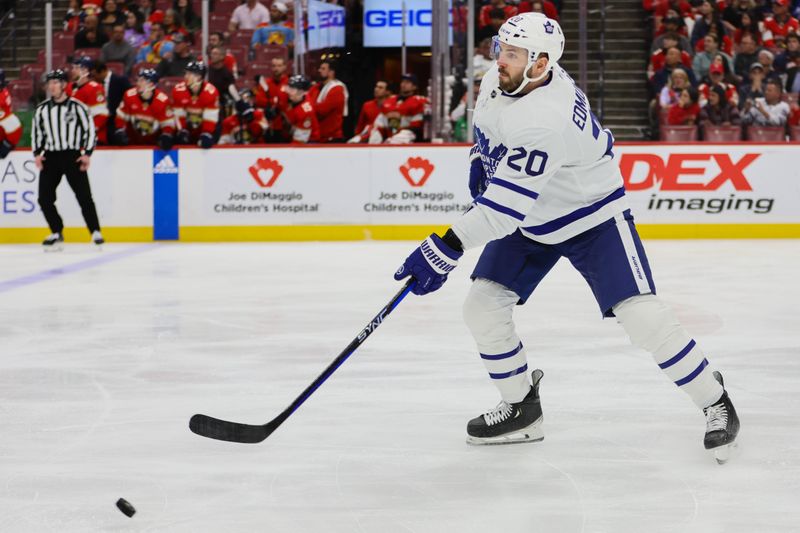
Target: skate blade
532 433
725 453
54 248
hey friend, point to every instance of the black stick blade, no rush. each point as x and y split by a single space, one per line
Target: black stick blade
214 428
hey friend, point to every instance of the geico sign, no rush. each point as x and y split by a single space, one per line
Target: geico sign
379 18
684 172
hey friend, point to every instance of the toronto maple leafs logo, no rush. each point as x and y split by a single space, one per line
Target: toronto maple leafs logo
490 156
548 27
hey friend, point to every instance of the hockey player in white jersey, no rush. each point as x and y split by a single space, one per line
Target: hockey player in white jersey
546 185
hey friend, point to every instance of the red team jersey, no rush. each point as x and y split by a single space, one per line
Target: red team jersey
330 103
197 113
278 98
302 119
369 112
731 94
93 95
253 131
412 113
10 126
773 28
145 121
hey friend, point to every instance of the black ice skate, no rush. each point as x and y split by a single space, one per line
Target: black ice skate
53 243
509 423
722 426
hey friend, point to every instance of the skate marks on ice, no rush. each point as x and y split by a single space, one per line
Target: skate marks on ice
238 330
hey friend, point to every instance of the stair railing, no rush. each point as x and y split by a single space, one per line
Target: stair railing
8 25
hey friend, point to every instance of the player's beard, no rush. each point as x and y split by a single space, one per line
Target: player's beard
511 83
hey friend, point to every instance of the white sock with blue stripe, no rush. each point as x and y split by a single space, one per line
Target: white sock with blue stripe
652 326
488 312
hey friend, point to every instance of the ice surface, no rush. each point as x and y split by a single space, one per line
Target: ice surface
101 366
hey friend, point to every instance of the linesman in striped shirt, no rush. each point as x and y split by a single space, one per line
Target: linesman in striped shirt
63 139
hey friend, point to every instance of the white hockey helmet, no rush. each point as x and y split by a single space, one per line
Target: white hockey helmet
536 33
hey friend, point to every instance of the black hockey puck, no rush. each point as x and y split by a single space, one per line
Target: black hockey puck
126 508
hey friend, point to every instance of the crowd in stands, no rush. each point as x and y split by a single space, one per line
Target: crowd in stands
138 66
724 64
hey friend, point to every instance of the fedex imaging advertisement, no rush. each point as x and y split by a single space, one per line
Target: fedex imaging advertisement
708 184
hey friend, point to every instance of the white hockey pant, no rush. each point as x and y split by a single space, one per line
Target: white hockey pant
650 324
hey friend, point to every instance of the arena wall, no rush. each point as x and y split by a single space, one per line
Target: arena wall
358 192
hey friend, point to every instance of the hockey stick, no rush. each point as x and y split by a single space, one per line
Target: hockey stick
214 428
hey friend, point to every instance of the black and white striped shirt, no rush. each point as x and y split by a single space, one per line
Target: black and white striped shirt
64 126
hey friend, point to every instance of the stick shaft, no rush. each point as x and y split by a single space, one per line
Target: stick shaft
346 353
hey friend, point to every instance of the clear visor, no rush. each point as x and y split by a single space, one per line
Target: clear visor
512 54
494 50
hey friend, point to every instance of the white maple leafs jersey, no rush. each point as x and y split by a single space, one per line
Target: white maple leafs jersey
551 164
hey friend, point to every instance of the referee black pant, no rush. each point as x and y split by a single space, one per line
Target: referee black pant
56 165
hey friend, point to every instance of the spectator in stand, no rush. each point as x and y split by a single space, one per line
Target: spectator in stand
173 25
110 17
791 62
789 58
497 18
670 93
732 15
92 7
482 61
145 116
538 6
704 59
659 58
10 126
330 103
134 30
218 73
680 9
370 111
177 62
73 16
753 86
770 110
157 47
669 39
485 15
90 36
195 103
145 7
708 22
716 78
278 32
217 38
185 11
767 59
298 112
248 16
84 88
402 117
750 26
271 96
747 55
673 23
247 125
114 87
779 25
117 49
685 112
718 111
672 61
